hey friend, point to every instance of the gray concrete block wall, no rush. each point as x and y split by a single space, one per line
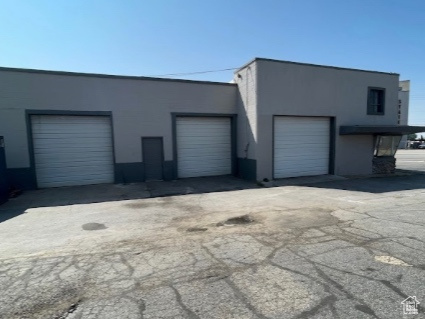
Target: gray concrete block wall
143 107
4 185
246 79
140 107
404 97
285 88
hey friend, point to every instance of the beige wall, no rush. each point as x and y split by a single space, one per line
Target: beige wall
285 88
140 107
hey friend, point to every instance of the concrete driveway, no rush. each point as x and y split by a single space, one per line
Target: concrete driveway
335 249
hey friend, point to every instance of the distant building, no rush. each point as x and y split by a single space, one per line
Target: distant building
403 108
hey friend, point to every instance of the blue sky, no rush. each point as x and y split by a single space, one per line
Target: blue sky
136 37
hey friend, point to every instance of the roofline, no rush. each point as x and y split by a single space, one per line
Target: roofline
379 129
315 65
110 76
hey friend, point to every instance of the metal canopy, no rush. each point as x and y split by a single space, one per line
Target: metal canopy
380 129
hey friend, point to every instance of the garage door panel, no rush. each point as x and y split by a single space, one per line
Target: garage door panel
206 172
76 170
65 156
217 163
304 130
306 166
203 146
72 150
301 146
208 162
306 153
72 141
204 168
196 151
76 165
69 129
297 171
80 180
73 138
295 160
304 146
61 148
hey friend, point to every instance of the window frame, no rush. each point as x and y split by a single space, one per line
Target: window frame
370 108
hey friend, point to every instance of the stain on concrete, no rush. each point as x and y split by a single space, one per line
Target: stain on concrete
69 311
93 226
196 229
300 218
239 220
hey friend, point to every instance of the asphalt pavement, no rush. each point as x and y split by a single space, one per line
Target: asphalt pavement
334 249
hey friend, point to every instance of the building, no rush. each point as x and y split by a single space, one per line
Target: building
403 108
277 119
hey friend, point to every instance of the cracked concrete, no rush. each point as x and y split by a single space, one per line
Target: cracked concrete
327 250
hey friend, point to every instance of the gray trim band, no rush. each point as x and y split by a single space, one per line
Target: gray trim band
313 65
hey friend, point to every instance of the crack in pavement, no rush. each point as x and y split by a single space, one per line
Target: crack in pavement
315 263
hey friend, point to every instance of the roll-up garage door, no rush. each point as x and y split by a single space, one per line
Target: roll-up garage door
301 146
203 146
72 150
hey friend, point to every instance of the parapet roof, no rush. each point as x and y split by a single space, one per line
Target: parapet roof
315 65
110 76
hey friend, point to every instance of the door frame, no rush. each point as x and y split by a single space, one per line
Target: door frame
30 141
161 138
332 136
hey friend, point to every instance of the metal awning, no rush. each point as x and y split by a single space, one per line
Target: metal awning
380 129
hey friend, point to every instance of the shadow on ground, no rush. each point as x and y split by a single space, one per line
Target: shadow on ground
115 192
403 181
88 194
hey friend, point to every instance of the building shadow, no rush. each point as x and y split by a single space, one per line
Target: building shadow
77 195
401 181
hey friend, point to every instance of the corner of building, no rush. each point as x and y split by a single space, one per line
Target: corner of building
246 80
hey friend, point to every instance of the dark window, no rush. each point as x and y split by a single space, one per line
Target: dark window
376 101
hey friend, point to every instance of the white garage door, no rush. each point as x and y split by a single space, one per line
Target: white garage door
72 150
301 146
203 146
